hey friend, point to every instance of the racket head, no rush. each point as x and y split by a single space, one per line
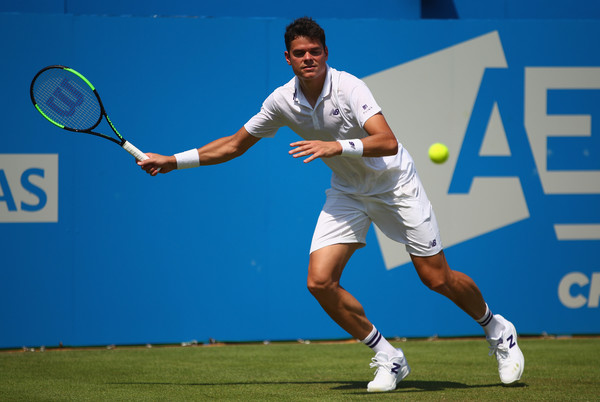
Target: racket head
66 98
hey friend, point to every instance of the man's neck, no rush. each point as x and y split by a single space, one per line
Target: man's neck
312 89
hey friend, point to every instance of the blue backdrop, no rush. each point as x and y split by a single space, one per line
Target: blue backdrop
96 252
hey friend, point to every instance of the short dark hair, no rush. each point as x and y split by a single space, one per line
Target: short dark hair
304 26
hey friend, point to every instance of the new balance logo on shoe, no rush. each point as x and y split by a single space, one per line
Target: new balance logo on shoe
396 367
511 341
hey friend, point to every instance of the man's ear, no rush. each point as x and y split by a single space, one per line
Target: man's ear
287 57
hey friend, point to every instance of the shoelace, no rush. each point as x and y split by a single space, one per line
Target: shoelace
377 364
499 348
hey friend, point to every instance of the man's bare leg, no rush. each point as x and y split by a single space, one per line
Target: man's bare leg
324 272
458 287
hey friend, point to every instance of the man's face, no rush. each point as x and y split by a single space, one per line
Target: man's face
307 57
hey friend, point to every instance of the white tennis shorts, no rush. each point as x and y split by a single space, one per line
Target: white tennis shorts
404 215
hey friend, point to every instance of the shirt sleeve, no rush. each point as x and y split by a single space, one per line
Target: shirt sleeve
362 103
266 122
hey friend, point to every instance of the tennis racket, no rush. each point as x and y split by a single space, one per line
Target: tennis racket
68 100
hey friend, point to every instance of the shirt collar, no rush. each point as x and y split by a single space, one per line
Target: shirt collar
299 96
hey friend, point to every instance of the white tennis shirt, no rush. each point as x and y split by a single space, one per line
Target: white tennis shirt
343 107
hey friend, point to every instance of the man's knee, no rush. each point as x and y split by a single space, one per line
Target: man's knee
434 273
321 285
325 268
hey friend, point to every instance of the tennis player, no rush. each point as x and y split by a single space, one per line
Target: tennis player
374 180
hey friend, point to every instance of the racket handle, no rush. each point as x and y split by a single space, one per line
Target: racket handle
137 154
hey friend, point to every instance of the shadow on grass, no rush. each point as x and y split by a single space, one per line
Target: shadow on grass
430 386
404 386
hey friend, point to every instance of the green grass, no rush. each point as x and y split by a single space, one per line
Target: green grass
555 369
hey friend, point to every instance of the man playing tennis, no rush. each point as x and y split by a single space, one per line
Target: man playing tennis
374 180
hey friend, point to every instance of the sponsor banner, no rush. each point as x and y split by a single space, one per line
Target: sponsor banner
28 188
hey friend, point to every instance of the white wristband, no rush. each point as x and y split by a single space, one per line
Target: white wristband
188 159
352 147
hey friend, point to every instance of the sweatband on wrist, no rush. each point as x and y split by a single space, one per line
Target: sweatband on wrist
352 147
188 159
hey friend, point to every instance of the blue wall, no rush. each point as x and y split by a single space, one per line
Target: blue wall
387 9
96 252
349 9
510 9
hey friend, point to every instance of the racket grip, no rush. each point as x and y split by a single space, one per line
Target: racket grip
137 154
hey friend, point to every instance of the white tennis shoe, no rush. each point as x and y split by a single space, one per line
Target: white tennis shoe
510 358
388 373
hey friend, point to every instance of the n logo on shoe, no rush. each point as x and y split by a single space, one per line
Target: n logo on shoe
511 341
395 368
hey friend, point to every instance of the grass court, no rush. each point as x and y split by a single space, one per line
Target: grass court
448 369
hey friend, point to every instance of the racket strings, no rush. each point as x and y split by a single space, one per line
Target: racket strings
66 99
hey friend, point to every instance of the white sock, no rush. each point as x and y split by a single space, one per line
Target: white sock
491 325
378 343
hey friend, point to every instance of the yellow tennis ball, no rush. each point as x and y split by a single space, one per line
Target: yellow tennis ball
438 152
